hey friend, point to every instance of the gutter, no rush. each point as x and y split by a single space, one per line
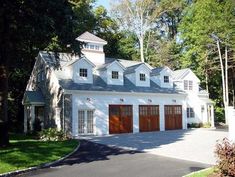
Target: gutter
122 93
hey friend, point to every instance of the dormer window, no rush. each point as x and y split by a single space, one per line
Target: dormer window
166 79
188 85
83 72
92 47
142 77
97 47
114 74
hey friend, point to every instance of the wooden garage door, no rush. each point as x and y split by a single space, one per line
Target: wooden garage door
148 118
173 117
120 119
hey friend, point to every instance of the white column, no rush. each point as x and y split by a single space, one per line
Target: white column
32 117
25 119
135 118
162 117
212 117
184 115
231 123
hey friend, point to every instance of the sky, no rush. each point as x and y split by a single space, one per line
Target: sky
104 3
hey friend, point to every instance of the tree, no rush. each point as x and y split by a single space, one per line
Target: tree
200 21
137 17
25 28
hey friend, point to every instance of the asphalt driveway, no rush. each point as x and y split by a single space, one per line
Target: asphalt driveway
96 160
196 145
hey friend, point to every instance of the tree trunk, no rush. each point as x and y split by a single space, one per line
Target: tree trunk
4 61
141 49
223 82
206 69
4 139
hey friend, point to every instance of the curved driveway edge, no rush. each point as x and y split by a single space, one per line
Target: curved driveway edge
45 165
97 160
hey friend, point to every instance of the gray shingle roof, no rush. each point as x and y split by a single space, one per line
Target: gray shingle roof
31 97
100 85
88 37
132 69
106 65
180 74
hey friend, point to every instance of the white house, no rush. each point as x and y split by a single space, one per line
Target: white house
97 95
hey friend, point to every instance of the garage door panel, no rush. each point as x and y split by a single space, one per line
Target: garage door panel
148 118
173 117
120 119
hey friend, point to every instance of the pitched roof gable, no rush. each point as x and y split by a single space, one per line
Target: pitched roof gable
107 65
133 68
158 70
88 37
82 58
182 73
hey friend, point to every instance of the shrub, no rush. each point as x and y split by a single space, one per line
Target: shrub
195 125
225 152
207 125
219 114
52 134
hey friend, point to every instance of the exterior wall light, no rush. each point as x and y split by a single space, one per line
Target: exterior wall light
149 100
121 99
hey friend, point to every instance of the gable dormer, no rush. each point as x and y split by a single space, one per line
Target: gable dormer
82 70
162 76
93 48
112 73
139 75
186 80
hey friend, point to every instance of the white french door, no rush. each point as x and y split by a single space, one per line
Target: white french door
85 122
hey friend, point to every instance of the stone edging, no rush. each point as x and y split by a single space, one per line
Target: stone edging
8 174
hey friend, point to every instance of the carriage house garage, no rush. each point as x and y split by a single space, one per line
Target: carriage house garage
96 95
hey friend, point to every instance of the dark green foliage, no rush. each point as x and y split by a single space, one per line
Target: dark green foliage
225 152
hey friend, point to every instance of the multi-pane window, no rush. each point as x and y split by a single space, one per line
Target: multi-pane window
166 79
188 85
154 110
190 113
92 47
142 77
143 110
126 110
83 72
114 74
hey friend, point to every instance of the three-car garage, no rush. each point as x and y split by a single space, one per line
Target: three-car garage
121 118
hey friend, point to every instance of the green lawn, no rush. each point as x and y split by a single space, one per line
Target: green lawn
24 152
202 173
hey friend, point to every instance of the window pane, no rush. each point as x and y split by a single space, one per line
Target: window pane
190 85
83 72
142 77
114 74
81 121
97 47
154 110
92 46
166 79
143 110
90 122
185 85
126 111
